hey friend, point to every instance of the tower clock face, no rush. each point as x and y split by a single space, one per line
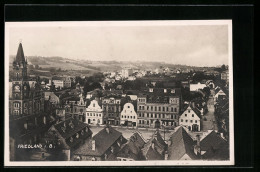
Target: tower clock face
17 88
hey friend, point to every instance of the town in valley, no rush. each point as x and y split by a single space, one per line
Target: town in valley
63 109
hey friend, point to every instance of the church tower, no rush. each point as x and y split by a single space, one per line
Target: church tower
26 97
20 65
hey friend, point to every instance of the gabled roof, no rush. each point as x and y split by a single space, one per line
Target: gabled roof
132 148
156 153
222 153
181 144
212 140
103 141
20 55
70 131
195 109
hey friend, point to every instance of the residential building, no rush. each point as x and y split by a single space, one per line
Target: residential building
155 148
163 104
77 107
94 112
67 136
128 115
214 147
132 149
220 94
225 76
102 147
181 146
190 118
61 82
52 97
111 109
196 87
126 72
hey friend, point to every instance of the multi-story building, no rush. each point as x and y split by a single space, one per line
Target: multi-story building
128 115
111 106
190 118
77 108
225 76
161 104
28 121
61 82
126 72
94 112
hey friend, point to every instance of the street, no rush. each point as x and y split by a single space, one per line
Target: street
210 123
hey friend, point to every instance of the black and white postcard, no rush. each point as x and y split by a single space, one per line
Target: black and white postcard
119 93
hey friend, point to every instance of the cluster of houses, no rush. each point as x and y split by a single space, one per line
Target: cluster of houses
61 120
141 109
110 145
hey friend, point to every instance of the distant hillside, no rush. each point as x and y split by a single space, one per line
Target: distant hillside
46 63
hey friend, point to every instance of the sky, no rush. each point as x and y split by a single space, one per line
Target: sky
195 45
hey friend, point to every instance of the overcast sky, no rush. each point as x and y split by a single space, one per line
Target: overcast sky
203 45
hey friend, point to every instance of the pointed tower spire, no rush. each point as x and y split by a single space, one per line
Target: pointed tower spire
20 55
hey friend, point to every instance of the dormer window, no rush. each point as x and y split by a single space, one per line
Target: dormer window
172 90
150 90
82 132
77 135
165 90
71 139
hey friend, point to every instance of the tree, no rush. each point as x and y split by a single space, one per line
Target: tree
223 67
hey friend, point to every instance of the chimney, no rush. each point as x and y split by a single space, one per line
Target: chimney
107 130
26 125
153 145
93 145
166 155
193 104
198 144
169 142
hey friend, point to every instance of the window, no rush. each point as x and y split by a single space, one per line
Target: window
155 115
192 115
16 105
147 122
172 109
185 115
159 115
94 105
191 121
122 116
195 121
188 111
181 120
175 109
151 107
186 120
167 109
87 114
159 108
171 116
140 107
147 107
134 117
163 109
151 115
155 108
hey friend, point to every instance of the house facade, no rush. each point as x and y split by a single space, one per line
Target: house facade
111 110
128 115
159 104
94 112
190 118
